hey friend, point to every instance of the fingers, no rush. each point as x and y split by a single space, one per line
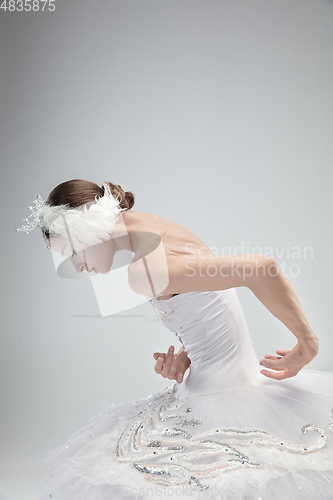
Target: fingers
276 375
167 365
172 375
281 352
156 355
272 362
167 361
268 356
170 364
159 364
279 375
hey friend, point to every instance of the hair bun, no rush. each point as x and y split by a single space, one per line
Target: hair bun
126 198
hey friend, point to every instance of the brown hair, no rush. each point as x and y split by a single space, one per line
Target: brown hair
77 192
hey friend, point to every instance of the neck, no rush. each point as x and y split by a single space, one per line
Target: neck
133 223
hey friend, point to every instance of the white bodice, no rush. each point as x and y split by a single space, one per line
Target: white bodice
212 329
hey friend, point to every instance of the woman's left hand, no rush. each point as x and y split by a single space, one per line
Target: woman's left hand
289 363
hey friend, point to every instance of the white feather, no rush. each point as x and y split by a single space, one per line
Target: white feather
91 223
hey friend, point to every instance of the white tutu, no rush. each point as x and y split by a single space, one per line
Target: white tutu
227 432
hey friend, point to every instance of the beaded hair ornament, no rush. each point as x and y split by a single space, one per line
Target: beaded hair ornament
91 223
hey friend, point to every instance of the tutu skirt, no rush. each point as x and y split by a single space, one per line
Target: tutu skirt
226 432
273 440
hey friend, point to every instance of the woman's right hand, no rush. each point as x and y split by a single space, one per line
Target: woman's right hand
170 365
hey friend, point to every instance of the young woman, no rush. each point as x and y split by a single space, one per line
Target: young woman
228 430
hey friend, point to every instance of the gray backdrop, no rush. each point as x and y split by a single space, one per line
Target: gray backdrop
216 114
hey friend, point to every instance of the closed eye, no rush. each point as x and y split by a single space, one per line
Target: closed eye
63 249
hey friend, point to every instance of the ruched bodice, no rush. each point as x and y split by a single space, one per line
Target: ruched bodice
212 329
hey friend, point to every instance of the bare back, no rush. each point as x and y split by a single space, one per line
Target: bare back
176 238
174 235
177 269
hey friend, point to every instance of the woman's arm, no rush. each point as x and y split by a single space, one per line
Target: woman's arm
259 273
276 293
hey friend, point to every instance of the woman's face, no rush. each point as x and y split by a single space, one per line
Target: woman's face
97 258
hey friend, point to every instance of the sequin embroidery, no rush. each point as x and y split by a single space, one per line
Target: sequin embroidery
167 454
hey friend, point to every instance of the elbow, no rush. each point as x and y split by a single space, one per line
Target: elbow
269 266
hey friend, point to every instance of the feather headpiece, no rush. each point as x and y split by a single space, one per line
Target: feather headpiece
91 223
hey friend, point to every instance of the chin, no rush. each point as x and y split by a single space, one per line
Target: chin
105 270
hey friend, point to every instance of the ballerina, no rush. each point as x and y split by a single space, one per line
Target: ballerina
88 225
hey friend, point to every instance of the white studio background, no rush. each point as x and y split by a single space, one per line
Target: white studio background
216 114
